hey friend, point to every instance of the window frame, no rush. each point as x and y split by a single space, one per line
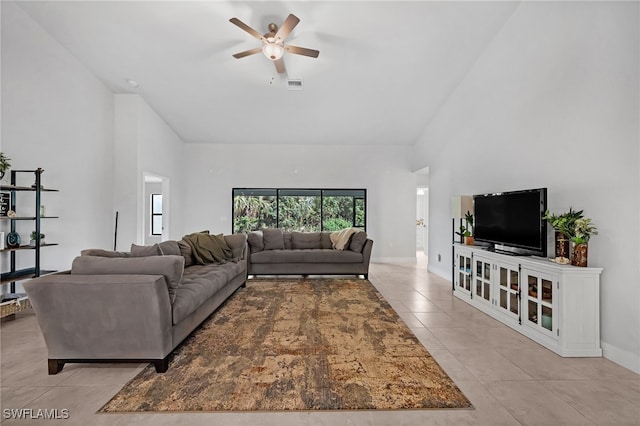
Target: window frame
153 215
355 193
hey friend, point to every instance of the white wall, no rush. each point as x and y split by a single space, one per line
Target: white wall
94 149
212 172
144 143
58 116
553 102
161 153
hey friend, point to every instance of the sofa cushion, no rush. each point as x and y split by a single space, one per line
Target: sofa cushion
171 267
169 248
199 283
256 242
325 239
273 239
307 256
186 252
104 253
236 243
357 241
288 244
306 240
143 251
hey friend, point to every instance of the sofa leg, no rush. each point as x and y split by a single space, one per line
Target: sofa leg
366 276
55 366
162 365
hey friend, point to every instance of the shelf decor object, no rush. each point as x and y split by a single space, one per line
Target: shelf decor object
13 240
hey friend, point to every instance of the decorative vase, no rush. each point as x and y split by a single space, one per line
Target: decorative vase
469 241
580 252
562 245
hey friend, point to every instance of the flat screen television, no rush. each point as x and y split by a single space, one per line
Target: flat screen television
512 220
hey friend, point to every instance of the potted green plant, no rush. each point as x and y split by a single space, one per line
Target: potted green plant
564 225
34 237
4 164
466 229
582 232
575 228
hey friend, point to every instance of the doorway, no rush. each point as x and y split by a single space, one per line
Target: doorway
422 226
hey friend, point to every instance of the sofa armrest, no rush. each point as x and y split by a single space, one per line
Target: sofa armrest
366 253
103 316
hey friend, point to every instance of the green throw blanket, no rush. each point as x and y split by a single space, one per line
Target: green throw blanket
208 248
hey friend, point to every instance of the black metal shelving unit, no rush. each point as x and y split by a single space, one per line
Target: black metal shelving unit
10 277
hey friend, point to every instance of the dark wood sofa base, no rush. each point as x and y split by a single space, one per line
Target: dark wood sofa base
56 365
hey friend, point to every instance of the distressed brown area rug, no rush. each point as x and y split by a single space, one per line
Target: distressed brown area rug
315 344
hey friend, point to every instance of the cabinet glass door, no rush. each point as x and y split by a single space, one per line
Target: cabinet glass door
482 277
509 289
540 301
464 272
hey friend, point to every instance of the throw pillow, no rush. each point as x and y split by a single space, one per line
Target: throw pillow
357 241
306 240
144 251
256 242
273 239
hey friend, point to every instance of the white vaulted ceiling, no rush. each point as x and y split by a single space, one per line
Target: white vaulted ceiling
384 70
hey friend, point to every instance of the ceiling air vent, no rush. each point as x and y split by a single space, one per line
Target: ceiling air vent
294 84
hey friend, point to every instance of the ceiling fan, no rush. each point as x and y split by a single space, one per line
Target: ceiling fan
273 45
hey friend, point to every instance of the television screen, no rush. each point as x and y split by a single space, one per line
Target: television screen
512 219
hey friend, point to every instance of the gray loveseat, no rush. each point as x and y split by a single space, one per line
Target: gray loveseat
137 306
274 252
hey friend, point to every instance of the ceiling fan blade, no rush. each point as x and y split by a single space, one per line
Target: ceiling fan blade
247 28
302 51
287 26
247 52
280 66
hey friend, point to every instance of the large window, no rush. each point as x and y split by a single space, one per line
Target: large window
298 209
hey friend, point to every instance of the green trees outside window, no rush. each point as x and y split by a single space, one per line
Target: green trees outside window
310 210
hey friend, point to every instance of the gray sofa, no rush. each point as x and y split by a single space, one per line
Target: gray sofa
275 252
137 306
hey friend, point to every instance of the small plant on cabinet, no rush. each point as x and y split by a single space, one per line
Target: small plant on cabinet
466 229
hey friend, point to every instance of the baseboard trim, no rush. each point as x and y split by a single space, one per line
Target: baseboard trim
442 273
624 358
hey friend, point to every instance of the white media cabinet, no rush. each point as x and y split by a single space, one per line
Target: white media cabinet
557 306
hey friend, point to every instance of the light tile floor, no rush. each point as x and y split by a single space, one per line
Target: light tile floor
509 379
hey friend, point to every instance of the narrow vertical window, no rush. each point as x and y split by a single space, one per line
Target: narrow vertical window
156 214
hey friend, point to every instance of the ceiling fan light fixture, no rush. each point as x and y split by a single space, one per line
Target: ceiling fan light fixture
272 50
